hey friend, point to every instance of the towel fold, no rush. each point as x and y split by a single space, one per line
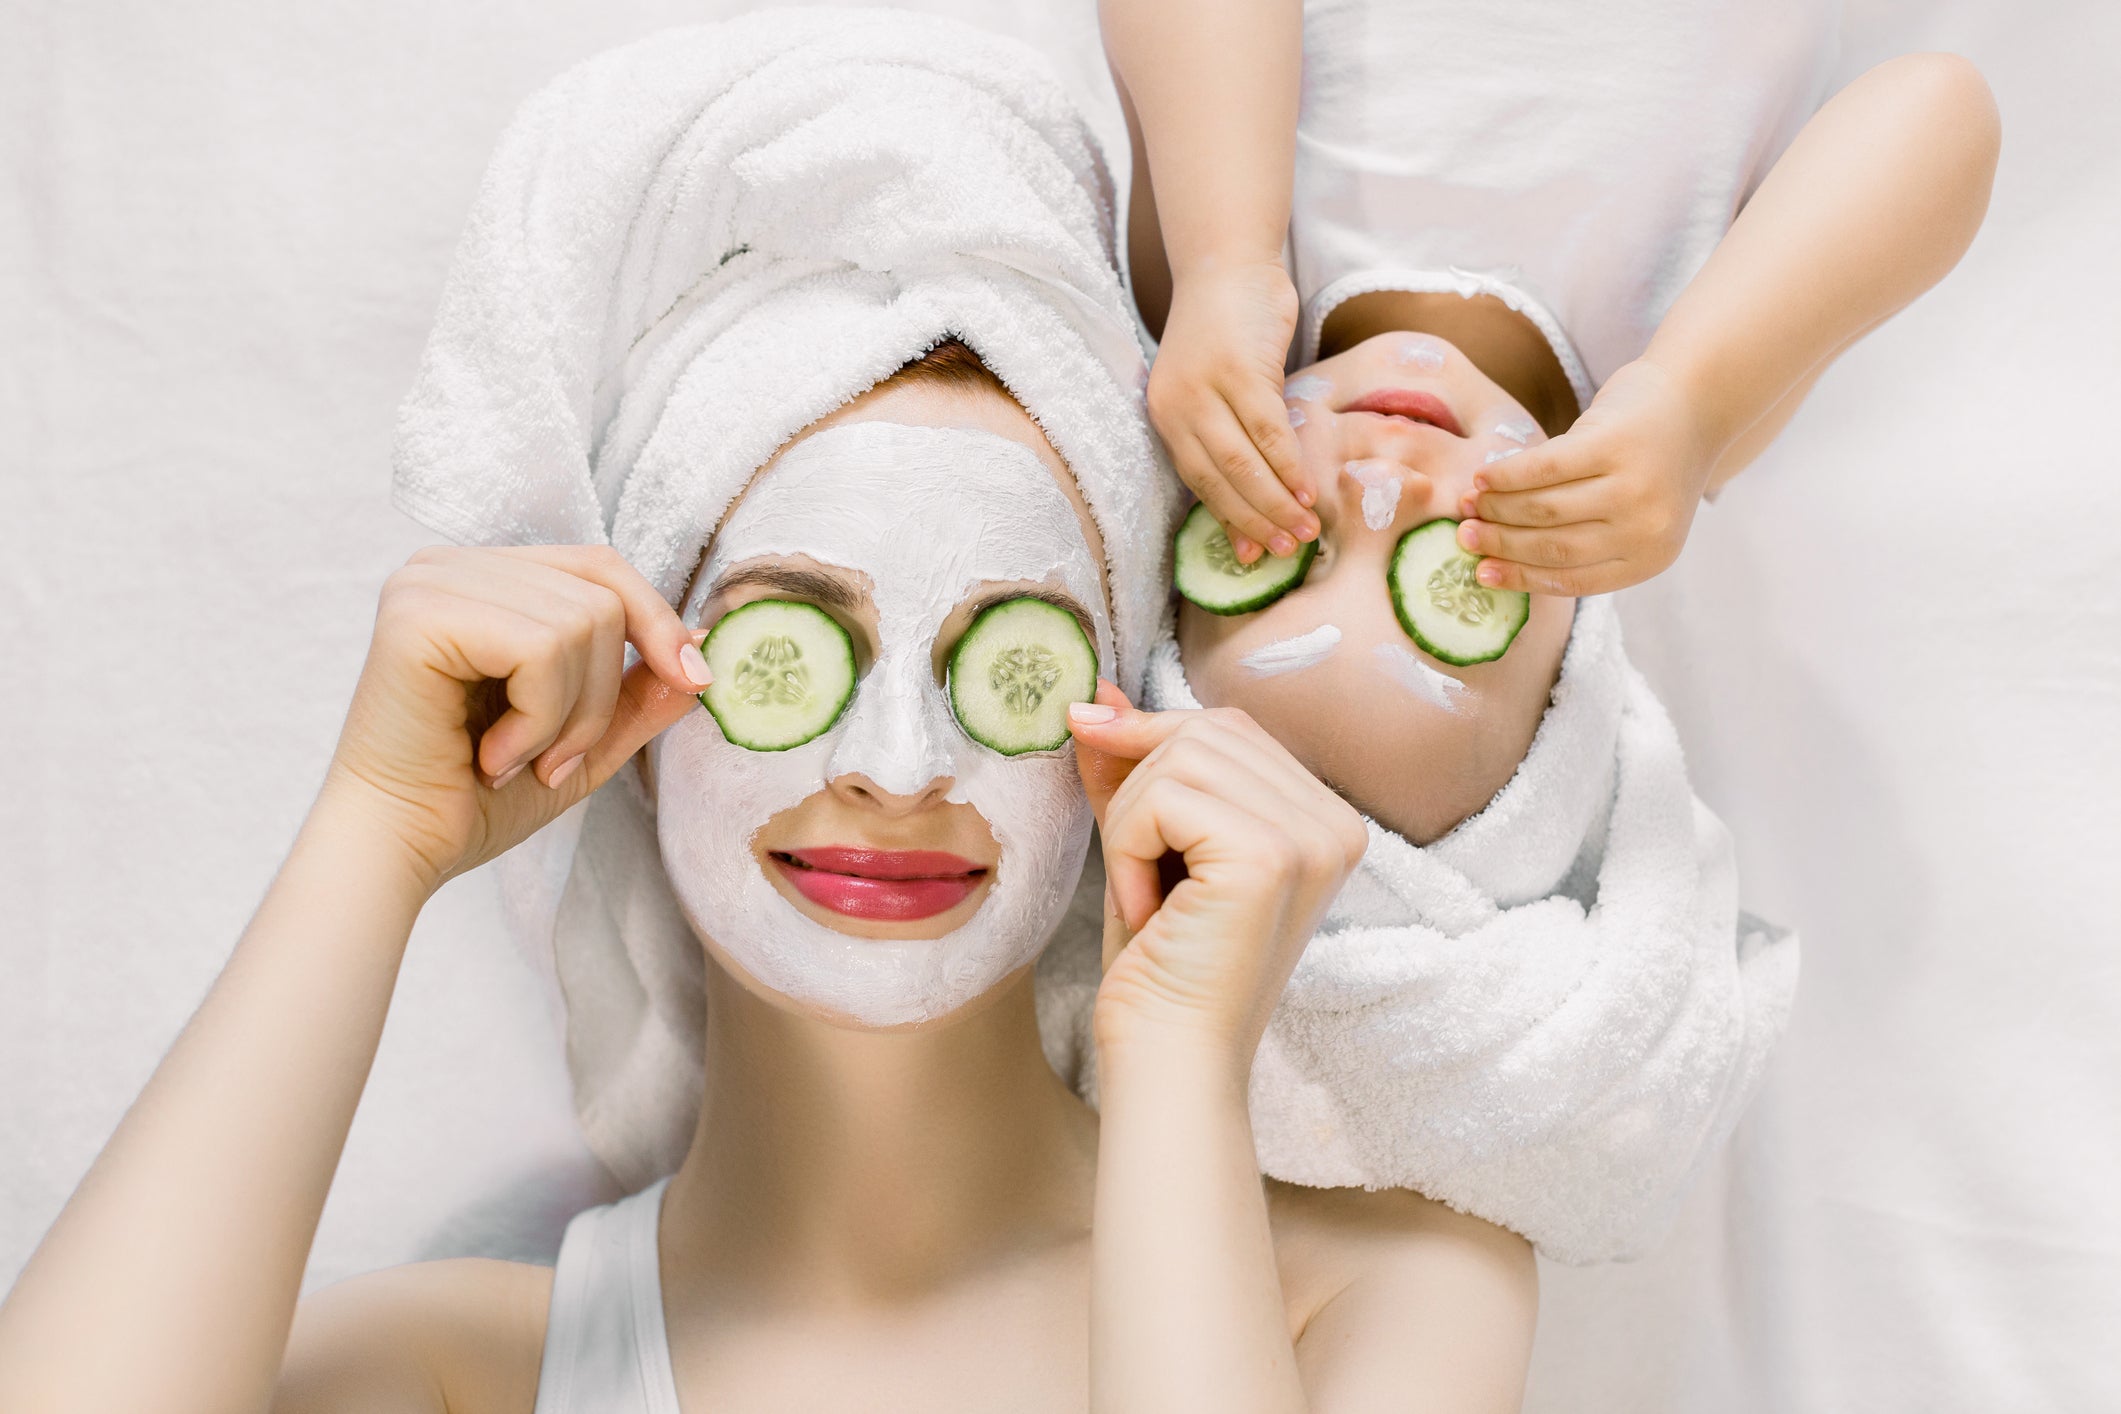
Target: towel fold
684 252
1550 1018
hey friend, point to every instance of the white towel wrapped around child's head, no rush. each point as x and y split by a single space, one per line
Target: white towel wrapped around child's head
1549 1018
684 252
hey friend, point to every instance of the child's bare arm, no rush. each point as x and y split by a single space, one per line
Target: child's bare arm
1211 91
1875 201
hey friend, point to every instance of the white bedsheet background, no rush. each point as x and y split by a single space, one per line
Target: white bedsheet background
1894 650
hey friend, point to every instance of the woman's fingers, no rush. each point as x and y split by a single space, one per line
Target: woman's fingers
1559 548
652 626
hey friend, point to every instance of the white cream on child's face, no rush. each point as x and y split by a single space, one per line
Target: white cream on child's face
927 517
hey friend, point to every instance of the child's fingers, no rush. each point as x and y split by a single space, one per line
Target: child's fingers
1242 469
1601 578
1548 464
1569 547
1249 531
1265 419
1543 507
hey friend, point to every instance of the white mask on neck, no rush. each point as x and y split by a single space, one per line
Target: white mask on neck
926 515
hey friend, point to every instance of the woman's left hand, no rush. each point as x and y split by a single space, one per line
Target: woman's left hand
1266 847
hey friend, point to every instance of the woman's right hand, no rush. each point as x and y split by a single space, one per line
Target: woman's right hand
495 695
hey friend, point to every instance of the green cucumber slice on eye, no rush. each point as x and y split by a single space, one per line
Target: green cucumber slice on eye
783 673
1208 574
1014 672
1441 605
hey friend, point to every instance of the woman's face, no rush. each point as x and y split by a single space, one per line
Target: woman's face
892 870
1392 432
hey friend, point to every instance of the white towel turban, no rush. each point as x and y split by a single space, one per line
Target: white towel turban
684 252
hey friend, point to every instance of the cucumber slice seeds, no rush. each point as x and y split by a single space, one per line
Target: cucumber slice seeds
1014 672
1443 607
1207 571
783 673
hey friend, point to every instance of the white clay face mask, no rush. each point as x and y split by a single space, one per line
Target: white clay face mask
924 515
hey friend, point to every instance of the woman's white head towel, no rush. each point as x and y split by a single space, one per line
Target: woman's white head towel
1552 1016
684 252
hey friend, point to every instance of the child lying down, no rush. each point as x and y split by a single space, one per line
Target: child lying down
1537 999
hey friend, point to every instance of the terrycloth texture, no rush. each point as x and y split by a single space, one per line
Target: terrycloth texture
1552 1016
684 252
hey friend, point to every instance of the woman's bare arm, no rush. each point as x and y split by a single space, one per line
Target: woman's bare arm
170 1278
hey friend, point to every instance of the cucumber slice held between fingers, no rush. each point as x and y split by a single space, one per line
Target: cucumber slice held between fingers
1209 575
1451 614
783 673
1014 672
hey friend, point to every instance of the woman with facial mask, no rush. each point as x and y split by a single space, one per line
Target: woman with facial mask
890 1201
680 328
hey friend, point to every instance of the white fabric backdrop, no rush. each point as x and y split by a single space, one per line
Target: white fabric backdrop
1894 650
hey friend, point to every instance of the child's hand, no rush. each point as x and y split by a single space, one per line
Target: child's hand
1215 397
1605 505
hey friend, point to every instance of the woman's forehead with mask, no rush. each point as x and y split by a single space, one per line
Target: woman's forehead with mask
922 514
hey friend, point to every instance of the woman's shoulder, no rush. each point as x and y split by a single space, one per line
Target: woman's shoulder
1390 1246
463 1336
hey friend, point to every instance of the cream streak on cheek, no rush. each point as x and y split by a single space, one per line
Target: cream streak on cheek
1404 667
1287 655
1381 484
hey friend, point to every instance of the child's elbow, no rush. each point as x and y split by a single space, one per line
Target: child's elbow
1952 100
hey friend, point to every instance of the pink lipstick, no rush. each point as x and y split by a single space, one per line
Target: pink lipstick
883 885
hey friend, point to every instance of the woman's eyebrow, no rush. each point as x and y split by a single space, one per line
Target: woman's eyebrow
825 589
1057 598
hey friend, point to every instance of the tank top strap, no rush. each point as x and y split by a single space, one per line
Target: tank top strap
606 1351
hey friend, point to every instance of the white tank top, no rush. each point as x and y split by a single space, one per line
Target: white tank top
1579 161
605 1348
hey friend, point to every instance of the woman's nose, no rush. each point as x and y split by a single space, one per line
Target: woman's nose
857 789
895 752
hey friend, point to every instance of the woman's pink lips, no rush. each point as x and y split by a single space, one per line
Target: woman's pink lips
886 885
1409 403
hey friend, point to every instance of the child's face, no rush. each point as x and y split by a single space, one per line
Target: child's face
1392 432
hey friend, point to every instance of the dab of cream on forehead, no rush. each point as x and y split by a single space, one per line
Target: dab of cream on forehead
1287 655
1403 666
1381 485
1305 389
1422 351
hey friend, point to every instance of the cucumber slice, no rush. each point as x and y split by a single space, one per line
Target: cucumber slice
1208 574
783 673
1014 672
1443 607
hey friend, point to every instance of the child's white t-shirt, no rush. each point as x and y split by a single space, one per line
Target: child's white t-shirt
1581 161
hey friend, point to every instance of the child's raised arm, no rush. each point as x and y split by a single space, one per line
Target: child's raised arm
1873 203
1210 88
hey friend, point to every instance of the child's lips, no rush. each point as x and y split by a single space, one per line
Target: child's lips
1410 403
886 885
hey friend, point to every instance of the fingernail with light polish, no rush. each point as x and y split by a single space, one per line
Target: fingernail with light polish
502 780
1089 714
562 771
694 663
1282 545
